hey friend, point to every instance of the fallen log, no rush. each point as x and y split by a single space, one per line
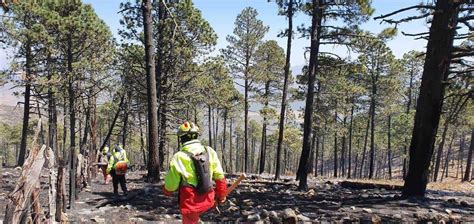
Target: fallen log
361 185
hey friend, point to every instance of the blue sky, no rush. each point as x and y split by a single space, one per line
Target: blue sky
221 16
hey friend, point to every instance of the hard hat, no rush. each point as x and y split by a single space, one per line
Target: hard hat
118 148
105 150
188 128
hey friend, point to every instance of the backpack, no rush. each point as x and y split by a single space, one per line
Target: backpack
202 169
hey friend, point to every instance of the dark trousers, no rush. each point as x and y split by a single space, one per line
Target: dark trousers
116 179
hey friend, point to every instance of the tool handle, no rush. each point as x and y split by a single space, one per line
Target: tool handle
235 184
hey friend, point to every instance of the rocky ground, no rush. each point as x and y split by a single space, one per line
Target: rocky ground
262 200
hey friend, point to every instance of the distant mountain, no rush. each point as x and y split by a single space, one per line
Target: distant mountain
11 115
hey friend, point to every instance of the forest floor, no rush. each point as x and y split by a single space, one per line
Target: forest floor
263 200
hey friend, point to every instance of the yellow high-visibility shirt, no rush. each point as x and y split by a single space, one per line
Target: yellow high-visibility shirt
121 156
182 166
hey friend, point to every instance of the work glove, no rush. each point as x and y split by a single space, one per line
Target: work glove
166 192
221 200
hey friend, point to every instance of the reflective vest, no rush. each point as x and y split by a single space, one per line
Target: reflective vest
115 158
182 166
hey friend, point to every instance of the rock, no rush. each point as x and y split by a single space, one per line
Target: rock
247 213
6 175
397 216
18 168
367 210
464 203
273 217
347 219
452 200
364 196
376 219
264 213
167 216
248 202
129 207
98 220
311 192
289 216
353 208
303 218
233 209
253 218
161 209
448 211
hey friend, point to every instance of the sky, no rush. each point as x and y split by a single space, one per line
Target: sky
221 15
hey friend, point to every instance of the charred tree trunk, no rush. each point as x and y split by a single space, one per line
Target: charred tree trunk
281 124
389 146
349 165
343 151
311 154
317 14
231 159
224 139
430 100
209 118
362 162
335 143
460 156
153 164
114 121
26 108
440 151
448 156
372 129
163 124
316 155
263 144
142 140
72 125
467 174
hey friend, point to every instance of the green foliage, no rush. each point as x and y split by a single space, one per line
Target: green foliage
248 34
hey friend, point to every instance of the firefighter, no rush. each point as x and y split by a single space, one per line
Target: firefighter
118 165
104 160
191 172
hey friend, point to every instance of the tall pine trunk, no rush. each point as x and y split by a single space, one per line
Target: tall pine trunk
231 158
317 13
440 151
153 163
467 174
26 108
72 124
430 100
335 142
372 129
389 146
349 165
364 152
263 145
281 125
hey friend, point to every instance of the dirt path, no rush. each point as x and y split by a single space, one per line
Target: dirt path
263 200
